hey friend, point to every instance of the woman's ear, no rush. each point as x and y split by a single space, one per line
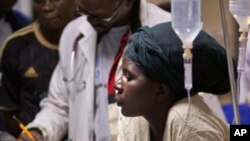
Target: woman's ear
164 94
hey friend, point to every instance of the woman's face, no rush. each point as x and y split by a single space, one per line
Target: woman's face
136 93
55 14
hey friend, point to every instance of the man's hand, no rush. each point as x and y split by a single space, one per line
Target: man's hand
35 134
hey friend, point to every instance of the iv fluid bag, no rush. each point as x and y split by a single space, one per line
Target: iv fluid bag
240 10
186 19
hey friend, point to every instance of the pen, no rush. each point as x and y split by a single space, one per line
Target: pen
25 130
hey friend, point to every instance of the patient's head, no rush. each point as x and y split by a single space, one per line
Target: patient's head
153 73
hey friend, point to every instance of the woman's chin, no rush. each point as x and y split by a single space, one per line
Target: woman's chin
127 113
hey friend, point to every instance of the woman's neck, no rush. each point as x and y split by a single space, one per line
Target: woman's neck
157 122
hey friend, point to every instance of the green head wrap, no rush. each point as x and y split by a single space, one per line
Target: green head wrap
158 52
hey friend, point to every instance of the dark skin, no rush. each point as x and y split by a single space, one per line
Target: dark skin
97 11
138 95
53 16
37 136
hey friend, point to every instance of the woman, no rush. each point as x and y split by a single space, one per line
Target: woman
152 86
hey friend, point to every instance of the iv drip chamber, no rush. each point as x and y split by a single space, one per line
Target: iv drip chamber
240 10
186 20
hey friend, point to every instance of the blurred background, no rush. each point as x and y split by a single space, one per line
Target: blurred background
25 6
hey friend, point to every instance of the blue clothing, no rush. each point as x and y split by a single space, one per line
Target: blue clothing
244 110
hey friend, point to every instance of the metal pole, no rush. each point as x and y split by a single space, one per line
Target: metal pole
228 46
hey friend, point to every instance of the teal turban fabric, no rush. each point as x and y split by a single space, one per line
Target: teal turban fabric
158 52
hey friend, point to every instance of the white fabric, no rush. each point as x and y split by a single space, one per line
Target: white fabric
70 104
106 51
202 125
213 102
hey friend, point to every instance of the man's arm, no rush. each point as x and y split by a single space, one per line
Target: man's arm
52 120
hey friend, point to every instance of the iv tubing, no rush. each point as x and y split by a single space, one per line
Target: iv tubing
242 51
230 64
241 59
186 119
187 57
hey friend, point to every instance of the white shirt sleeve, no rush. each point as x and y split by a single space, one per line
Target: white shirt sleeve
52 120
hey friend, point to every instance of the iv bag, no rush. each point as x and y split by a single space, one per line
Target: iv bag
186 19
240 10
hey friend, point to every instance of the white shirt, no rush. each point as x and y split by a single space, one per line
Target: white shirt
106 51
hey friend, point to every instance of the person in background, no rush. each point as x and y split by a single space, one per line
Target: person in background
10 20
152 86
28 58
81 95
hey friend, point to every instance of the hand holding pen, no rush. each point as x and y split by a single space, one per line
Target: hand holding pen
27 135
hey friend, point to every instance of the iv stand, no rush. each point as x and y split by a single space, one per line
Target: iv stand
230 64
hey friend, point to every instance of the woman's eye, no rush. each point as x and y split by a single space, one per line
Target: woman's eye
128 76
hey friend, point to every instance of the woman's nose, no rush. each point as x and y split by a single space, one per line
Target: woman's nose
118 86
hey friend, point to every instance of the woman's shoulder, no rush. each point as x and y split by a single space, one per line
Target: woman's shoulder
199 122
196 111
